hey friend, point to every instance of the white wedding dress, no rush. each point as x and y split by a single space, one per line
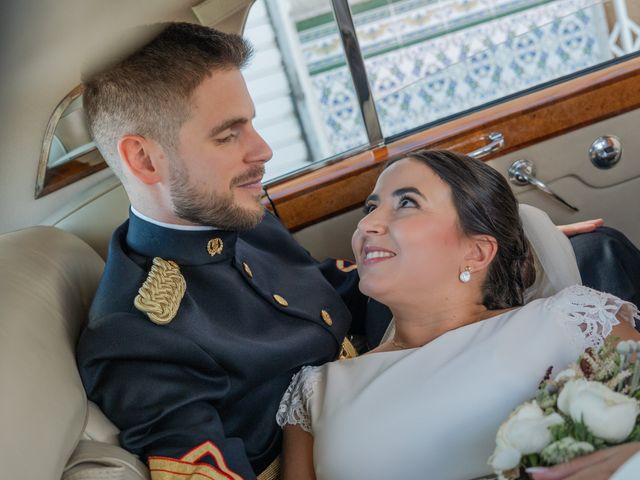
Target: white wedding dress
433 412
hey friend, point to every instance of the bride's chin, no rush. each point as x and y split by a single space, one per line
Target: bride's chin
363 286
373 290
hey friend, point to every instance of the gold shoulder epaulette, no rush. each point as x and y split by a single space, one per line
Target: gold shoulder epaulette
161 293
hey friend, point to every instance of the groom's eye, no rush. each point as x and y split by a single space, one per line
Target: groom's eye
226 139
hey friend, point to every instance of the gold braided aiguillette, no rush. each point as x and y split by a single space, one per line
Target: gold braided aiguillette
348 350
161 293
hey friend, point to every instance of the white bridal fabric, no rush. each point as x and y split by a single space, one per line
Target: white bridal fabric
555 261
433 412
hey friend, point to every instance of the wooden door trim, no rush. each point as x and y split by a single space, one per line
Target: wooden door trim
525 120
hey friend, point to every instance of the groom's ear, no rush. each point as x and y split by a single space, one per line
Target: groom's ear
481 250
142 158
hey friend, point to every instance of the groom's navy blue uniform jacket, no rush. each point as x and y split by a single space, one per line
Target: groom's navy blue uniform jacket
201 392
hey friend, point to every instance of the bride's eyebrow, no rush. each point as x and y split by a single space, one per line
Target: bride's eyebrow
402 191
372 198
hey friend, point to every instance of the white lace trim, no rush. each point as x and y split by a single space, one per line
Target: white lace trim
593 312
294 406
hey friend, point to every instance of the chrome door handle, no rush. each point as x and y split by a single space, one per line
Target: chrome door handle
522 172
496 143
605 151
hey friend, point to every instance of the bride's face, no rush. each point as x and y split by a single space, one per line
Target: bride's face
409 242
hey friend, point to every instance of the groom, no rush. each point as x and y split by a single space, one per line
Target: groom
207 305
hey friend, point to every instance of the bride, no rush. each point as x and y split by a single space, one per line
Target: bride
442 245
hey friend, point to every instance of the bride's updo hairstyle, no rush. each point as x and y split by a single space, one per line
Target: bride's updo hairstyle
486 205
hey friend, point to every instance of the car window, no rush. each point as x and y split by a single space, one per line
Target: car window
425 61
430 60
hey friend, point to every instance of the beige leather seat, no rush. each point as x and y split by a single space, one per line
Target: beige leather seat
48 430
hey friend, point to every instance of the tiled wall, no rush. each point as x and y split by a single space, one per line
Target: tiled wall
428 59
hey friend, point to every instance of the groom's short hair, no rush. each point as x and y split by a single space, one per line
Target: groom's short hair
148 92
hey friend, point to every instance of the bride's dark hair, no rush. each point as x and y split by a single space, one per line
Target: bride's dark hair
486 205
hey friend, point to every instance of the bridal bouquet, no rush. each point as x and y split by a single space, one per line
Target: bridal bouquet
591 405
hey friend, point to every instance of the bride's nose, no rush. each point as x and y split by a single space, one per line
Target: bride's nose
373 223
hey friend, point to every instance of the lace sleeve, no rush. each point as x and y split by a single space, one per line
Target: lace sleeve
593 312
294 406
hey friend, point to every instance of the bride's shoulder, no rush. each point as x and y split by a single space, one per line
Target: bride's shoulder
579 300
308 374
294 408
589 313
303 383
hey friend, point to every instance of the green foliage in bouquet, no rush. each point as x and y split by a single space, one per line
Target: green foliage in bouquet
576 430
635 434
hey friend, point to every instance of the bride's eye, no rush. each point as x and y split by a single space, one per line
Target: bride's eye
407 202
368 208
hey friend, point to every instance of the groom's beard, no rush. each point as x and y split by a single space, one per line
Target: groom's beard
193 203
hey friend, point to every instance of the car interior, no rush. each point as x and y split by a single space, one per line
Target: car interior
570 148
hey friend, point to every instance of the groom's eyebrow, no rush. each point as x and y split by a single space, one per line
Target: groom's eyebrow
229 123
401 191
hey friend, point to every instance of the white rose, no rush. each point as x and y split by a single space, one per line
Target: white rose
525 431
566 374
607 414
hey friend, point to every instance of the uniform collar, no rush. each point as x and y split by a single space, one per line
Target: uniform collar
185 247
174 226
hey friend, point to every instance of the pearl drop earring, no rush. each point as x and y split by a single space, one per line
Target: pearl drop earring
465 275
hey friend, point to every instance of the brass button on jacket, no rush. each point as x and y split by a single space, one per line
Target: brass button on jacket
281 300
247 270
326 317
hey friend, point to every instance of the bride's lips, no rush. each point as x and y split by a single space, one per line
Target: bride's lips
373 254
